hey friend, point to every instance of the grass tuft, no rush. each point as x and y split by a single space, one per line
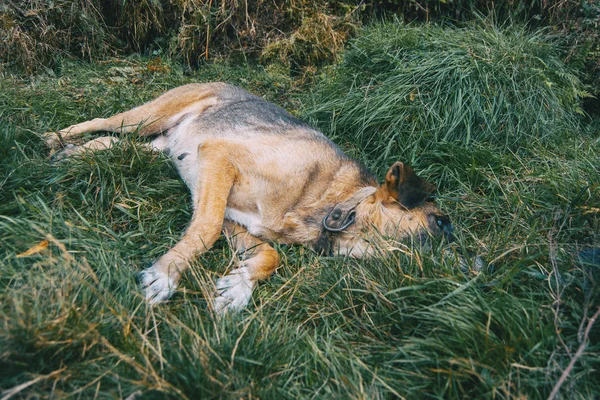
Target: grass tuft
401 86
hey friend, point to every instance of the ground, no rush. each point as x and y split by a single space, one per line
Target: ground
412 324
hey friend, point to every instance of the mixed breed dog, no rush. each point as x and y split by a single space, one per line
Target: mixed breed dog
261 175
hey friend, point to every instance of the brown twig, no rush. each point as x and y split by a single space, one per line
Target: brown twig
7 394
425 10
578 354
558 291
208 30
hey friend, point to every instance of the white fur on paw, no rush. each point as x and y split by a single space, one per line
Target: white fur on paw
234 291
52 140
69 150
157 285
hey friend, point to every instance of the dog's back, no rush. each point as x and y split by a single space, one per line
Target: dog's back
240 112
266 136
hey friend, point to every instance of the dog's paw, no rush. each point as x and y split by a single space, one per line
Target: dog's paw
52 140
233 291
157 285
63 154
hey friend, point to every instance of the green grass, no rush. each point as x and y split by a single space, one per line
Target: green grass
404 86
74 324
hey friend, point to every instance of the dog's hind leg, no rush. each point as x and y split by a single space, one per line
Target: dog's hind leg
259 261
101 143
216 175
154 117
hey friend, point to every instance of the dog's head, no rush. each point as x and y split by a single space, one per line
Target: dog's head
400 209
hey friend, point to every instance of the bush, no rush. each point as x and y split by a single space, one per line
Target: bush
34 34
426 82
303 35
576 21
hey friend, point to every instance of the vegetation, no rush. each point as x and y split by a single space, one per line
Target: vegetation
414 324
35 35
400 85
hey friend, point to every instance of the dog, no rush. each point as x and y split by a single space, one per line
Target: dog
261 175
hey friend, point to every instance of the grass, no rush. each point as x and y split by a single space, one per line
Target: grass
35 35
412 325
416 84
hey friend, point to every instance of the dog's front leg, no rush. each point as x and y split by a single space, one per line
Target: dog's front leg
216 175
259 261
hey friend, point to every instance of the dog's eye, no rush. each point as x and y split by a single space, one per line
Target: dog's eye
439 221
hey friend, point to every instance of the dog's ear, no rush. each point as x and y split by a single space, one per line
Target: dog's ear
406 187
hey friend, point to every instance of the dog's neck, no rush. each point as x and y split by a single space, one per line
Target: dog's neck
350 177
304 223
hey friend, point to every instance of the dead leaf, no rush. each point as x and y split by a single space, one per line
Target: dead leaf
41 246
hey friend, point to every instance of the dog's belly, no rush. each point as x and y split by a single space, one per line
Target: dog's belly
182 148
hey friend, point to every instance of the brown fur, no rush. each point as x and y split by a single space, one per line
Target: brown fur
261 176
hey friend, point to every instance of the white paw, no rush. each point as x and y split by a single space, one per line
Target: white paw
69 150
157 285
234 291
52 140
